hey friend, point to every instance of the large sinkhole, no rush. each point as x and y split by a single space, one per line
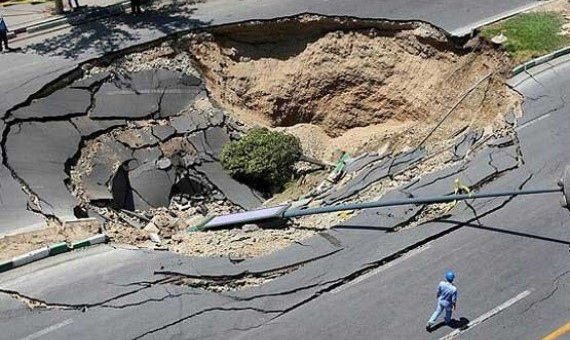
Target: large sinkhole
158 119
361 84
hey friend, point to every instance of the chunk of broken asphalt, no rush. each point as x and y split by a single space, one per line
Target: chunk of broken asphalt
62 103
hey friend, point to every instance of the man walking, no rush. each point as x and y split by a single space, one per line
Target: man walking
446 299
136 6
71 8
3 33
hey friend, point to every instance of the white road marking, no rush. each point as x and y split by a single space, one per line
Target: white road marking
531 122
381 269
48 330
486 316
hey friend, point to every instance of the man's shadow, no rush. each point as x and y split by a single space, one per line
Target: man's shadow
12 49
455 324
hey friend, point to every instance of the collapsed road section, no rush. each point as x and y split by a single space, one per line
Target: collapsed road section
134 141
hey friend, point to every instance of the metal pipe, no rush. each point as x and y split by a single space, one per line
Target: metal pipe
420 200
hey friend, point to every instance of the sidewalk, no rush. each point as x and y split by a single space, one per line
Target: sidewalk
28 18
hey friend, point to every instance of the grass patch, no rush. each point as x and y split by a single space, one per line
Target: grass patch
530 35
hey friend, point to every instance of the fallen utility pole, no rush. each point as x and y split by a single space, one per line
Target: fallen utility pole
283 211
563 187
408 201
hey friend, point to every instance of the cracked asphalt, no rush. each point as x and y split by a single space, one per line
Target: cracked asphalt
369 283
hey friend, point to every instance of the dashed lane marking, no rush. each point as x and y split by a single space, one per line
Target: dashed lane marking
487 315
50 329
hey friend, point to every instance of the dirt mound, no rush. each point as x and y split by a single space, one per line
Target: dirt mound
340 75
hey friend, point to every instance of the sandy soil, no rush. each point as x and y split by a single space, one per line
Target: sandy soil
355 91
11 246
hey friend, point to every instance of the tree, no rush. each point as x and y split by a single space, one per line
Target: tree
262 158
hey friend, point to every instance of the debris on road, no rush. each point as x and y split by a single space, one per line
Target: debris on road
14 245
147 167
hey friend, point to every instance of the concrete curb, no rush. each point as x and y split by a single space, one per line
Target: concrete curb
76 19
541 60
54 249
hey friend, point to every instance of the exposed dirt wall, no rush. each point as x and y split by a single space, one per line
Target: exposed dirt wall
344 74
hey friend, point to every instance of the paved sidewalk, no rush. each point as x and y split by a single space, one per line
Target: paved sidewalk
28 14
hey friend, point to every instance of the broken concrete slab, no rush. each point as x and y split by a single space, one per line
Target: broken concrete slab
369 175
95 192
363 161
138 138
386 219
465 143
62 103
215 138
163 132
122 99
190 122
13 202
234 191
38 153
152 185
510 118
90 81
486 164
216 116
176 98
501 142
436 183
147 155
504 159
32 73
89 127
142 94
406 160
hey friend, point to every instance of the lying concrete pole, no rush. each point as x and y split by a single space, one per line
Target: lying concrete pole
421 200
283 211
563 183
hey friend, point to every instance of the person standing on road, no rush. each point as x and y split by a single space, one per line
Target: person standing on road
3 33
71 6
136 6
446 299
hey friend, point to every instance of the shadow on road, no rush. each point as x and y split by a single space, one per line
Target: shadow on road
509 232
455 324
119 32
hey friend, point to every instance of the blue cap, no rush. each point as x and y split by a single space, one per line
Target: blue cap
450 276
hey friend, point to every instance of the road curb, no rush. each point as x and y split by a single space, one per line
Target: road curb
54 249
541 60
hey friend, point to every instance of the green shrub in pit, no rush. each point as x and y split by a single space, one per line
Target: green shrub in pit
262 159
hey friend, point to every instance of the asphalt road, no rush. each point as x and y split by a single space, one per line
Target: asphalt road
511 259
49 57
514 258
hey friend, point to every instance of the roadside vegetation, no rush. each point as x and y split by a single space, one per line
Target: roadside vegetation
530 35
262 158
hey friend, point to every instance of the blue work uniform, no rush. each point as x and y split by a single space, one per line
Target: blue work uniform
446 298
3 34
